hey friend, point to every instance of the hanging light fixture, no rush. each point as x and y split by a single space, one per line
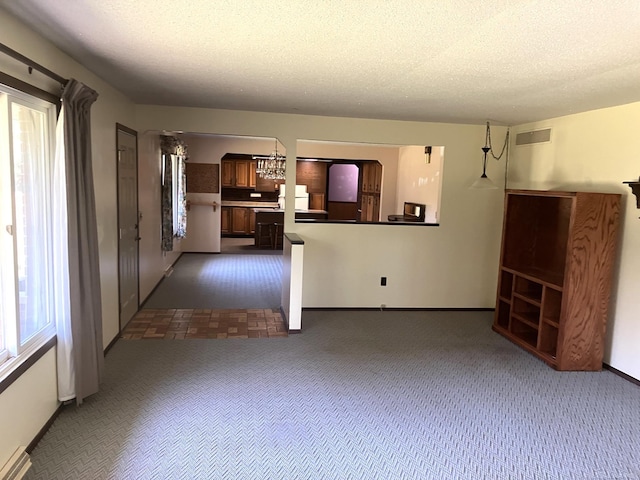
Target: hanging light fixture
484 181
271 167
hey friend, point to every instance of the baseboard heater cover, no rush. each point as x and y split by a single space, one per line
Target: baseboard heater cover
17 466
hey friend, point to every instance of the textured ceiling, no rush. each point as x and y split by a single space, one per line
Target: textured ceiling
468 61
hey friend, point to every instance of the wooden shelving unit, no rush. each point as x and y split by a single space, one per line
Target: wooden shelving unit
558 251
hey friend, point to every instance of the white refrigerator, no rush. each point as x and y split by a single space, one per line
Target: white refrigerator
302 197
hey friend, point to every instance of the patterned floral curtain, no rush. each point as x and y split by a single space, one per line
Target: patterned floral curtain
174 196
181 224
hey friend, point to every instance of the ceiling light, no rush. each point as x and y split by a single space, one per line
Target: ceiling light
484 181
271 167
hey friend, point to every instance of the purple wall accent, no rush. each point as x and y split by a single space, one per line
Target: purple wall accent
343 183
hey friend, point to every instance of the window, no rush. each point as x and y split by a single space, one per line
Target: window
27 133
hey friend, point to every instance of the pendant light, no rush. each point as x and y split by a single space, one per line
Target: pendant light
484 182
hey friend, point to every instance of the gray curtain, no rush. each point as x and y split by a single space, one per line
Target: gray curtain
84 268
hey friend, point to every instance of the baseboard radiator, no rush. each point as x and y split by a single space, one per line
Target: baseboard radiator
17 466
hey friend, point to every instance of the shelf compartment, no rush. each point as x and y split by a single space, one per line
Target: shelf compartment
524 331
526 312
506 284
528 289
527 299
537 246
552 304
502 314
548 340
535 275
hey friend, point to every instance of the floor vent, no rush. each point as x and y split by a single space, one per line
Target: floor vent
17 466
535 136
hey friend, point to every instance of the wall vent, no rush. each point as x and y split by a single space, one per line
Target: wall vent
535 136
17 465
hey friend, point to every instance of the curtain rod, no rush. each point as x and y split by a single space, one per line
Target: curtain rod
32 65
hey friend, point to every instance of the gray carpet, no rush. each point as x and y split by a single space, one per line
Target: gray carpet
201 280
357 395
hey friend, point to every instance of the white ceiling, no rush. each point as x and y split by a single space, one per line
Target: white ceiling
462 61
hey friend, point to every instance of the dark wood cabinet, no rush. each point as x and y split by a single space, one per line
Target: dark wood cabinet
557 257
228 173
225 220
242 172
252 221
239 220
253 166
371 177
239 173
370 187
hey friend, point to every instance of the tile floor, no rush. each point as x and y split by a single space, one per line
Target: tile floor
182 323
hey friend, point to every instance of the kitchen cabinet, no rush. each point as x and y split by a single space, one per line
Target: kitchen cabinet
253 166
243 172
371 177
252 221
370 187
237 220
370 208
554 284
225 220
228 173
239 173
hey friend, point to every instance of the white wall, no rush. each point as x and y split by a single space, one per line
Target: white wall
153 261
419 181
27 405
596 151
203 223
31 400
453 265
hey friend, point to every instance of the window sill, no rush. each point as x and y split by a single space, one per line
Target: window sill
13 368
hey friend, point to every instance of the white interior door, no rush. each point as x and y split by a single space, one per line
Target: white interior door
127 223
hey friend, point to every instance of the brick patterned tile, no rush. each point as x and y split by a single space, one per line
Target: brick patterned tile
181 323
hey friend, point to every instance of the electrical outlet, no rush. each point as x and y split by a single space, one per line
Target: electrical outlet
383 281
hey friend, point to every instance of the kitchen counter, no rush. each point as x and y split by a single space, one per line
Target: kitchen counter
298 212
249 204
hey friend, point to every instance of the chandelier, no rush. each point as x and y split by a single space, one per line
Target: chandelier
271 167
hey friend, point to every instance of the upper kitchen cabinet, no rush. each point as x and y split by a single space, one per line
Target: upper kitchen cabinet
228 173
236 173
239 171
371 177
243 174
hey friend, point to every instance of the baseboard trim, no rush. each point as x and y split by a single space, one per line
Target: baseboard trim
112 343
44 429
285 320
158 284
294 331
627 377
402 309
